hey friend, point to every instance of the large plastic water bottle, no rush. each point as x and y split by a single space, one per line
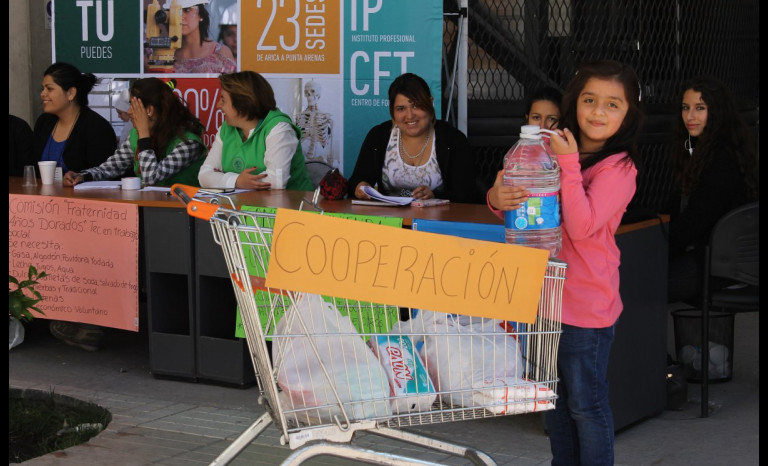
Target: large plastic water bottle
530 164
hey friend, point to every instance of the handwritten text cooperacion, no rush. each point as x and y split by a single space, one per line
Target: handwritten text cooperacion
402 268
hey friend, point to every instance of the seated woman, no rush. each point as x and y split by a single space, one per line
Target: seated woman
415 155
257 146
716 170
69 132
165 145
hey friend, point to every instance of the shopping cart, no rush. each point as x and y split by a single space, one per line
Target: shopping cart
328 367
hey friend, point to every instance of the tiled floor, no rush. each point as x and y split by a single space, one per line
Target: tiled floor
170 422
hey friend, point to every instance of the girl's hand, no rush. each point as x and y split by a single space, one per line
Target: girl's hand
140 117
248 180
359 190
423 192
506 197
71 178
563 142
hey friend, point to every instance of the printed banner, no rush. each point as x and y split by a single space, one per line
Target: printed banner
98 36
201 96
291 37
90 251
381 42
330 63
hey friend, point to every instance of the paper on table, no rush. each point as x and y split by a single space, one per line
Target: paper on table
98 185
203 193
157 188
374 203
390 199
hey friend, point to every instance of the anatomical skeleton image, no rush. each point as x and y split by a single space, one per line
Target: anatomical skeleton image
316 128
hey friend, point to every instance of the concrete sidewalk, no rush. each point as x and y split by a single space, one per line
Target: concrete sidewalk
169 422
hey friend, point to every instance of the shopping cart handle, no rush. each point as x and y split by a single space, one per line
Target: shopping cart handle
184 192
195 208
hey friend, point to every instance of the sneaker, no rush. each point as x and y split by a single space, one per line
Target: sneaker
83 336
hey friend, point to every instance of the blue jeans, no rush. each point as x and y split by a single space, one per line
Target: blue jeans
581 426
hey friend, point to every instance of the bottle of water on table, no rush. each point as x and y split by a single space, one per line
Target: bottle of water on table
531 164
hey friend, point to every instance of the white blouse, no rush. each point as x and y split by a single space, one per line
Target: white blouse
399 178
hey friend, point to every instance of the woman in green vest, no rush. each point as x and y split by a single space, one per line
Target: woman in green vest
257 146
164 147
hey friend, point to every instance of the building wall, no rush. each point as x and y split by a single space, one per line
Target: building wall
29 53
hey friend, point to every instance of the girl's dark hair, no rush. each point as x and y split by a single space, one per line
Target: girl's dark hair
68 76
205 24
725 128
172 118
251 94
625 139
415 89
550 94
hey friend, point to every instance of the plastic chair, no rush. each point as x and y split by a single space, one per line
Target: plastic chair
733 253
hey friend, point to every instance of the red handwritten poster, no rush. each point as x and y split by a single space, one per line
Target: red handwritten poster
90 251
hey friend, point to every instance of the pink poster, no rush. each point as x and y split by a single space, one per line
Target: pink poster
90 251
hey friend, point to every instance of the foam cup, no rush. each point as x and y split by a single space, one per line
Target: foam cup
47 171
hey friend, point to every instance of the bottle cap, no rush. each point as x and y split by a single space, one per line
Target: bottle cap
530 129
530 132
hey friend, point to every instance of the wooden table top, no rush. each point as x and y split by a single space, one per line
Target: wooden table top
456 212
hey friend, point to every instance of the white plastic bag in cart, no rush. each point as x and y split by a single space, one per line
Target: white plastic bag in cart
352 368
467 357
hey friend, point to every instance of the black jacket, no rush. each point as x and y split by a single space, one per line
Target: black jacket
721 188
19 145
454 157
91 142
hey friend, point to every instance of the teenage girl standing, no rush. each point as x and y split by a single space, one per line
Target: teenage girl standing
596 150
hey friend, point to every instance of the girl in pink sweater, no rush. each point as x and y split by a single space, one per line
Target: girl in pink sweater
596 149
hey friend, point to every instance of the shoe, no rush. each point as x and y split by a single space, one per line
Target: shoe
83 336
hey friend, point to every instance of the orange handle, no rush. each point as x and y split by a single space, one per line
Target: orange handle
195 208
184 192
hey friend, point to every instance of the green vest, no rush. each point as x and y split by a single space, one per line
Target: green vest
237 155
188 174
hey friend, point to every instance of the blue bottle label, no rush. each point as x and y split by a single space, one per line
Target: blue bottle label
539 212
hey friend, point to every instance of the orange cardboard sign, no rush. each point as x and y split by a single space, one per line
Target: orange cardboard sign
89 249
356 260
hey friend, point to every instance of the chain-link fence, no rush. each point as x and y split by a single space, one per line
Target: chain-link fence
518 46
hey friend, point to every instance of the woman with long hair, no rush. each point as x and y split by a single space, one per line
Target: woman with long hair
199 53
164 147
716 170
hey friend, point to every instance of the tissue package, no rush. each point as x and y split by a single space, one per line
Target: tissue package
411 388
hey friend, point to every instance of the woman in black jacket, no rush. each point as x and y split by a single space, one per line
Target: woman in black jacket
415 155
69 132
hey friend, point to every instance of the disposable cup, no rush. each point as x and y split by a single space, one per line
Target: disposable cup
47 171
29 176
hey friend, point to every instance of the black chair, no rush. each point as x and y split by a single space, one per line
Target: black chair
317 170
733 253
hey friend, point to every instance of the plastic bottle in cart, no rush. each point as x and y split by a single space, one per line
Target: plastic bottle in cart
531 164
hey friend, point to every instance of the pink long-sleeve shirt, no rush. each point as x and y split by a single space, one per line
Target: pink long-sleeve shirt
593 202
